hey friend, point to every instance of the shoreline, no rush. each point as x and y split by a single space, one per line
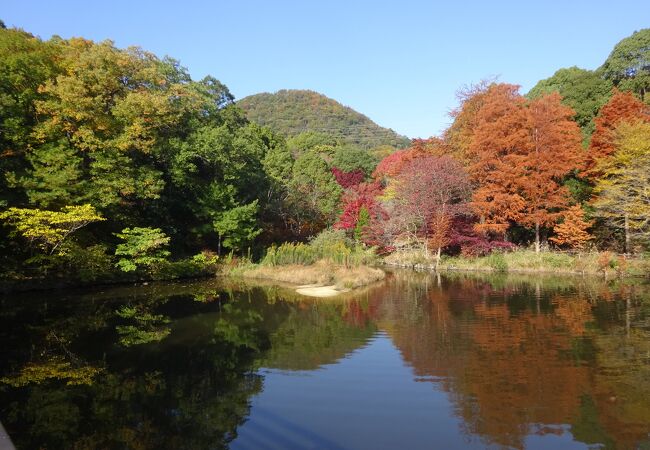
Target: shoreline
321 279
38 285
432 268
597 264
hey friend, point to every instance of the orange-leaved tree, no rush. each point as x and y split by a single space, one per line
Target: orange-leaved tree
496 153
572 232
459 135
554 152
517 157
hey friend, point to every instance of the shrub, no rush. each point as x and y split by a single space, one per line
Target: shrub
497 262
330 245
89 263
142 247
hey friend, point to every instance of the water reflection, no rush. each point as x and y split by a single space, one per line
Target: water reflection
454 361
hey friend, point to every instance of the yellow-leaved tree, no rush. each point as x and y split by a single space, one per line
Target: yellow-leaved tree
47 230
623 192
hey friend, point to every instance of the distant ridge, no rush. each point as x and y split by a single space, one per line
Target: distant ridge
291 112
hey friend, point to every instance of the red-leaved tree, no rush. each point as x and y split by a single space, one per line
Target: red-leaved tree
354 200
464 238
429 192
348 180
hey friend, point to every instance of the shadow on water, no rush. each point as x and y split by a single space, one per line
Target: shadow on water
509 361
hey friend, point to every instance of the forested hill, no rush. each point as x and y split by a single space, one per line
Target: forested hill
291 112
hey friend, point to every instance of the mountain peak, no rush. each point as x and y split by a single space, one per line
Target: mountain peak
293 111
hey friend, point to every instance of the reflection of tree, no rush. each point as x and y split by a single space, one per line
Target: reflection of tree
516 356
143 326
314 334
522 358
190 390
622 382
518 374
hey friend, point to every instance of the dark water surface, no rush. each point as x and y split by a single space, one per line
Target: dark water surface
416 362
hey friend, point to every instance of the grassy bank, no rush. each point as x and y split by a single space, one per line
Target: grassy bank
330 259
322 273
527 261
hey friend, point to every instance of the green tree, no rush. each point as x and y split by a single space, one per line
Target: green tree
348 159
237 226
628 66
313 190
26 63
55 178
142 247
583 90
310 139
362 222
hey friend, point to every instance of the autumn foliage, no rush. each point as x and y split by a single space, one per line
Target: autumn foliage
572 232
357 202
348 179
496 152
429 192
622 107
502 163
518 154
555 152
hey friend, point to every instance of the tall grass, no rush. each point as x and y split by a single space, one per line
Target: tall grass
330 245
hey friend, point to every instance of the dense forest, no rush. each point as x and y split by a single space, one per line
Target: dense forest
291 112
116 163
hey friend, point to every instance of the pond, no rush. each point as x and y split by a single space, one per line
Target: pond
418 361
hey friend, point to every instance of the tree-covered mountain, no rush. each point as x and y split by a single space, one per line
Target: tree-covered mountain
291 112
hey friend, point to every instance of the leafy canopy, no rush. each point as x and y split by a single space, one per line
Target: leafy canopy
47 230
628 66
622 196
238 225
141 247
585 91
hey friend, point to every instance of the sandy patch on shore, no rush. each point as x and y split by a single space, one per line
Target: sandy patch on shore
320 291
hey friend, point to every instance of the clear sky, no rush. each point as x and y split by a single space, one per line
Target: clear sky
398 62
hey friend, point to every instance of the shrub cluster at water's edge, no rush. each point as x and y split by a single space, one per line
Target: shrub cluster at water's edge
330 258
603 263
329 245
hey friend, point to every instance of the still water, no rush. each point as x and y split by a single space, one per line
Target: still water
416 362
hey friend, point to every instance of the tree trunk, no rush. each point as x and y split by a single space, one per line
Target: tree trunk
219 246
438 258
627 234
537 245
628 315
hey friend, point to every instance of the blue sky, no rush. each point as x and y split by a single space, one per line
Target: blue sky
398 62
